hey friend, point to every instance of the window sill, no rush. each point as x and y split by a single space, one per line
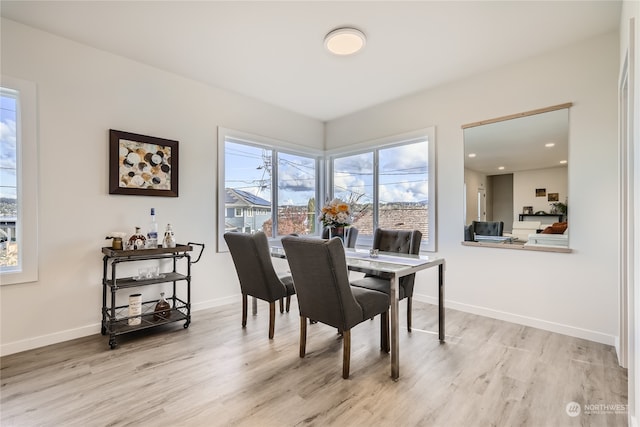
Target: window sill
518 246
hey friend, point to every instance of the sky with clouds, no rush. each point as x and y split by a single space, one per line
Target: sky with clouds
7 147
403 174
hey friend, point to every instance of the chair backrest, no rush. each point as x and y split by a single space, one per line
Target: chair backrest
258 278
321 279
488 228
398 241
350 238
402 242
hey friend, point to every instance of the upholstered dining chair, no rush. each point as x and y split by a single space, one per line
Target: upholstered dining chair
398 241
320 275
258 278
350 238
487 228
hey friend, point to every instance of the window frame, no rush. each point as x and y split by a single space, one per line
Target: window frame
276 146
27 183
380 144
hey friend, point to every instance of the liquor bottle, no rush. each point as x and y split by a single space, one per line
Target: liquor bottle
169 239
163 309
137 240
152 234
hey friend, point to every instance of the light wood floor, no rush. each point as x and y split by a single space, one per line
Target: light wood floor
489 373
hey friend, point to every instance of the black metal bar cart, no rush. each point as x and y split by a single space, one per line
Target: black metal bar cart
116 319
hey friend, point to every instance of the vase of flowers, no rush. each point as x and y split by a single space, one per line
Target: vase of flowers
336 215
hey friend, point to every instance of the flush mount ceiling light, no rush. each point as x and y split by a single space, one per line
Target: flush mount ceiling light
345 41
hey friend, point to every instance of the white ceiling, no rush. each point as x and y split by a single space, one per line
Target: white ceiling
518 144
273 51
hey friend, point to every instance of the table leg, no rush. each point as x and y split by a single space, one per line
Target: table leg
441 303
395 345
254 306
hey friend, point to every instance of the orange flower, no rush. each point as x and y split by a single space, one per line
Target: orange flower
336 213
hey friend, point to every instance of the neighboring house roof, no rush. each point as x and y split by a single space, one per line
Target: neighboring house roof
242 198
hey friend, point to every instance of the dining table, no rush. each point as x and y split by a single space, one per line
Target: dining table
393 266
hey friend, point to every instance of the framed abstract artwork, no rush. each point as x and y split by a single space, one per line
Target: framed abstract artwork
142 165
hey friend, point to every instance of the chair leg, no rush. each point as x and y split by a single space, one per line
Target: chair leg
303 336
346 353
409 314
272 318
288 303
281 305
244 310
384 332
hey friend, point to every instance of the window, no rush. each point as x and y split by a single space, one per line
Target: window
391 185
238 212
297 183
278 186
18 182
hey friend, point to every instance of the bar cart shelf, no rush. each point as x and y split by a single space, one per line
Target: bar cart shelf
115 318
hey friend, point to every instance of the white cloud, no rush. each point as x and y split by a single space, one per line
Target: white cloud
8 144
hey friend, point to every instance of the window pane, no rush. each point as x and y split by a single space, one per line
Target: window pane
9 242
247 188
296 194
404 187
353 183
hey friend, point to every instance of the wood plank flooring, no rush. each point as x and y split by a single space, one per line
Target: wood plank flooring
489 373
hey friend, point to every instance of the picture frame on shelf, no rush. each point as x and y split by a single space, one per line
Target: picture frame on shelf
142 165
527 210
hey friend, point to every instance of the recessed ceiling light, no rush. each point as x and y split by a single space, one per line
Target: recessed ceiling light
501 168
563 162
345 41
549 144
472 155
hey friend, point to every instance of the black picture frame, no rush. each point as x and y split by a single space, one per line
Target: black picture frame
142 165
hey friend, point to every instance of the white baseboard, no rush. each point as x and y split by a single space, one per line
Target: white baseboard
617 347
45 340
70 334
524 320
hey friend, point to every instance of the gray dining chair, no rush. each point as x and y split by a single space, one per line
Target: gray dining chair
397 241
487 228
258 278
350 238
320 275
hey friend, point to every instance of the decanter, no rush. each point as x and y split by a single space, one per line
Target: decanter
163 309
137 240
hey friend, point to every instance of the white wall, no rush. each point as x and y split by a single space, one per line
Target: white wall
474 181
82 93
572 293
525 183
